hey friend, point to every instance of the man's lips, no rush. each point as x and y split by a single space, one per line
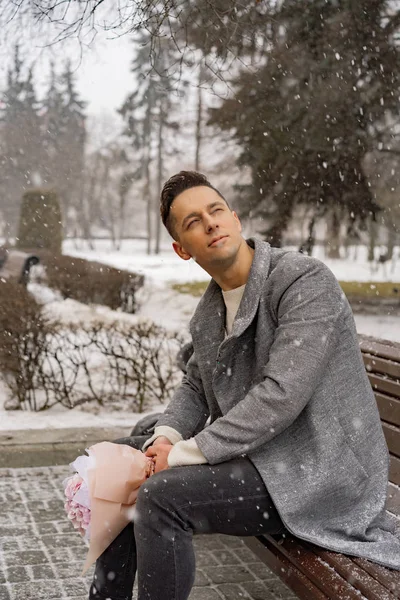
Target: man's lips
221 237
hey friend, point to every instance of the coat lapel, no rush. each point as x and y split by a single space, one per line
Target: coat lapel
254 286
207 326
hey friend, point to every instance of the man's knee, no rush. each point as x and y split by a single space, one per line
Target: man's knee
133 442
161 491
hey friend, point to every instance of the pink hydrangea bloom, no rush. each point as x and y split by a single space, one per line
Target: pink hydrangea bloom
79 515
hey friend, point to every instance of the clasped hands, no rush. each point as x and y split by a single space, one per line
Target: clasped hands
158 452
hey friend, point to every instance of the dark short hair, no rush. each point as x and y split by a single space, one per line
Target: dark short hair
182 181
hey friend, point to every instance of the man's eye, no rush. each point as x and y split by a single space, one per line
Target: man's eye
191 223
217 209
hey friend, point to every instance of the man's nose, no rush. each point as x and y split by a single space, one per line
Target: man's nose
210 223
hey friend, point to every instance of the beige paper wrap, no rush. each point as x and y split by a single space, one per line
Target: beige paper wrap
113 487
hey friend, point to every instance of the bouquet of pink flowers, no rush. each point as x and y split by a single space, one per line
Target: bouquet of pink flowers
77 512
101 494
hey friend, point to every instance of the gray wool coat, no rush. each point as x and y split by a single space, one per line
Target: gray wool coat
288 388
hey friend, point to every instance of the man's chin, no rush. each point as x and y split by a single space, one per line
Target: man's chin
224 258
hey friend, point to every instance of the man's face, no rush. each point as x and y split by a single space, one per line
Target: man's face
206 228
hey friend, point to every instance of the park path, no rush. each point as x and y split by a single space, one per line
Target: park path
41 556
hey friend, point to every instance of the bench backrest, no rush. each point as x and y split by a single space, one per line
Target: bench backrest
15 265
382 362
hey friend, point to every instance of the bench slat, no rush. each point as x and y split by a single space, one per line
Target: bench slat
267 550
392 435
389 408
389 350
356 575
387 577
387 386
376 364
394 470
393 499
328 581
332 575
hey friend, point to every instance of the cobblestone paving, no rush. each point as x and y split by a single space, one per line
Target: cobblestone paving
41 556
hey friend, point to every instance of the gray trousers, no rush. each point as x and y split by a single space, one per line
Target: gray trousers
171 507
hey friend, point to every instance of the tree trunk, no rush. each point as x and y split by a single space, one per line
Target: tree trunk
199 122
121 220
147 197
85 223
310 241
159 171
146 168
274 234
391 242
6 232
334 236
372 229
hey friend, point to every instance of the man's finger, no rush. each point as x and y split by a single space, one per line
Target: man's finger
151 451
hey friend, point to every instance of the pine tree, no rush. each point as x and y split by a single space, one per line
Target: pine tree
73 138
308 115
64 138
148 114
53 109
20 141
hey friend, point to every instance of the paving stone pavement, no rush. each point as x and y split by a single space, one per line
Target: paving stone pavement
41 556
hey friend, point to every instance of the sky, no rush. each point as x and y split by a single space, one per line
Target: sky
101 66
103 76
103 79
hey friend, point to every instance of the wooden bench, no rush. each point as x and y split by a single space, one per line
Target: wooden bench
312 572
16 265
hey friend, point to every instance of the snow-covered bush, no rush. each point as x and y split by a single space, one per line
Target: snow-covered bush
115 365
92 282
24 336
40 223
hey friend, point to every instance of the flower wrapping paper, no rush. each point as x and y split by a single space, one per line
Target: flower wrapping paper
100 497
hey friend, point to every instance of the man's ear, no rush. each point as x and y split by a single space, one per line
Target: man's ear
237 220
180 251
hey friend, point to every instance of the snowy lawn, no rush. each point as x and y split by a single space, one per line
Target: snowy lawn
170 308
165 306
167 266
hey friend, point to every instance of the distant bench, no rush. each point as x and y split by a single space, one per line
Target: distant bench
15 265
314 573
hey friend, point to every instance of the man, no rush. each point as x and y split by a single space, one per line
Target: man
294 440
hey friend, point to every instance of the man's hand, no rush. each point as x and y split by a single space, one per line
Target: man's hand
161 440
159 453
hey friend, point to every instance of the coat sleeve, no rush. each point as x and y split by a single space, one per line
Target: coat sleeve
188 411
308 311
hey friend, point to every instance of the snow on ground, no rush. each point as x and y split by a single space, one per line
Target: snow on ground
167 266
385 327
167 308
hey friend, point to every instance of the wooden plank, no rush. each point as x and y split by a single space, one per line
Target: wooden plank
283 568
393 499
383 348
389 408
376 364
356 575
387 386
387 577
394 470
326 579
392 435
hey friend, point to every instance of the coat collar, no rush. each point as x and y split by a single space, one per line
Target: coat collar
208 321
